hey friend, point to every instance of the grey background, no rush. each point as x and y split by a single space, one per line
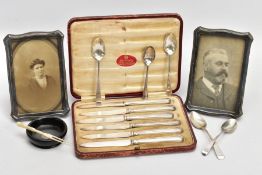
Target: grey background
243 148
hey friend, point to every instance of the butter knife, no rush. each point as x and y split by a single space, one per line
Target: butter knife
128 142
126 103
132 133
129 110
129 125
125 117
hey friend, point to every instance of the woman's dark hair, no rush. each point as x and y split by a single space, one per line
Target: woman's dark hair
37 61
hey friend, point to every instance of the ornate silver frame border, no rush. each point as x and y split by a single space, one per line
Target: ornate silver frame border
200 31
8 40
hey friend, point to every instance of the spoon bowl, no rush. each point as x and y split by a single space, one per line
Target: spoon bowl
197 121
229 126
170 44
98 49
149 57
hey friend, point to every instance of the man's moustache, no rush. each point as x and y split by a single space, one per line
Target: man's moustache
221 73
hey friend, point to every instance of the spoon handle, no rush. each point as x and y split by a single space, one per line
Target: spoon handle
145 92
98 90
220 155
169 90
207 149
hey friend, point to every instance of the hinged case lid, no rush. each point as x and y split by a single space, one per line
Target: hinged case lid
122 69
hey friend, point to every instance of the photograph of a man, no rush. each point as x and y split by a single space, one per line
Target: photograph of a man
212 89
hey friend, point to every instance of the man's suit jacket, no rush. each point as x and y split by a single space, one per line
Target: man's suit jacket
202 96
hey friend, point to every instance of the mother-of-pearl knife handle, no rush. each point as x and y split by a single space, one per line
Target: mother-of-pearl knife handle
166 123
148 102
107 127
158 139
149 116
102 119
104 112
158 131
151 109
103 104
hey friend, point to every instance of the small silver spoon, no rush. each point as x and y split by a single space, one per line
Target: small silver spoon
199 122
98 53
149 57
169 48
228 126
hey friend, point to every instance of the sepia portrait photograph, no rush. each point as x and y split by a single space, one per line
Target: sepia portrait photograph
36 74
218 71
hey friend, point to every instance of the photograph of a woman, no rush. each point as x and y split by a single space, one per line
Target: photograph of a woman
37 75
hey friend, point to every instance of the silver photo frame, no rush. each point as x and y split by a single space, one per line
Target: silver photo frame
218 72
36 74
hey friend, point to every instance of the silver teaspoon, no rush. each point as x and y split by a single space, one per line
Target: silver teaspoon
199 122
149 57
228 126
98 53
169 48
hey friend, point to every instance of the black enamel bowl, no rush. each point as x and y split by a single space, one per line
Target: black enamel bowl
51 125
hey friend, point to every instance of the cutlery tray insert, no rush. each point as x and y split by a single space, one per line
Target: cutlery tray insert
145 148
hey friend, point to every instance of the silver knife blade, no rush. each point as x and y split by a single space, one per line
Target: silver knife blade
130 134
127 142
